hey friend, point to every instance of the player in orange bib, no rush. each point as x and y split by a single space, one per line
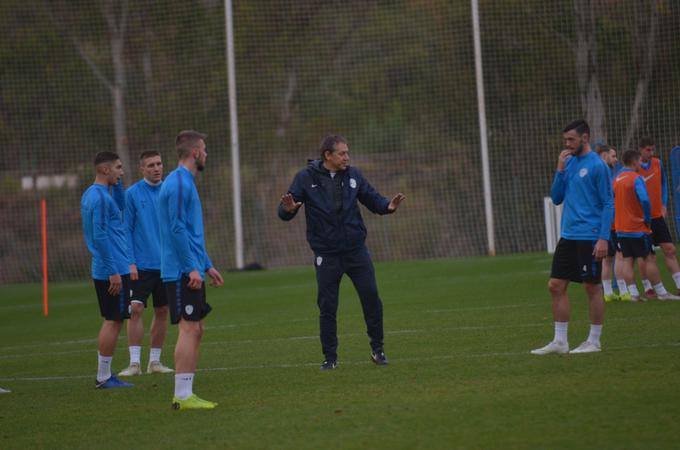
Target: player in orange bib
632 221
652 171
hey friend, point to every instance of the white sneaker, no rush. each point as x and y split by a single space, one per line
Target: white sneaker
4 391
157 367
668 296
587 347
553 347
134 369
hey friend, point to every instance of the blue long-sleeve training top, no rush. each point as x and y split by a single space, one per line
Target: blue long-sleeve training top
141 223
585 187
643 198
104 230
180 218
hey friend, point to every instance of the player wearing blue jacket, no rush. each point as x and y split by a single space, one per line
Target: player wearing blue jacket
104 233
185 262
583 183
330 190
144 242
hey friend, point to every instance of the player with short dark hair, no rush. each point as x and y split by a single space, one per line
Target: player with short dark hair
654 175
583 183
330 190
144 242
632 223
104 232
185 262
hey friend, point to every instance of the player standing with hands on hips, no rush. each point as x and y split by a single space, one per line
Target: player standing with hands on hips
329 188
583 182
185 262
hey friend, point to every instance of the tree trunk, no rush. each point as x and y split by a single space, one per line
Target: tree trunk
645 56
586 69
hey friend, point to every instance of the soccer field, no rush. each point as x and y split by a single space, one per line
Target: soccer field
458 335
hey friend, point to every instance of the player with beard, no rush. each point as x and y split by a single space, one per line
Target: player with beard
583 183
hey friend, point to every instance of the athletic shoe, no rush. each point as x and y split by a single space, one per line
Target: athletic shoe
157 367
329 364
553 347
111 383
192 402
134 369
650 294
628 298
4 391
611 298
587 347
379 358
668 296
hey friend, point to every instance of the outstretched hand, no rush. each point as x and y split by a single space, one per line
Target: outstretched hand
396 200
289 203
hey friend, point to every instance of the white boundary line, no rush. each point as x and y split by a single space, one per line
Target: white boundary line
364 362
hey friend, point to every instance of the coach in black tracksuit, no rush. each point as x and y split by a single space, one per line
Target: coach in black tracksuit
329 188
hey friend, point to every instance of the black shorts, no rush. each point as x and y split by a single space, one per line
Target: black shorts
574 261
632 247
113 307
660 232
185 303
613 245
148 283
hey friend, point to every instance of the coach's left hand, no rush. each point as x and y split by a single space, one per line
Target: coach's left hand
396 200
601 248
217 279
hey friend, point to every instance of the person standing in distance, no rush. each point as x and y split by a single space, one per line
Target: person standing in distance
104 232
144 242
330 190
185 262
583 182
654 175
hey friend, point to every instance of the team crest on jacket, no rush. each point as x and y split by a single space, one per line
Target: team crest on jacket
189 309
583 172
319 260
352 183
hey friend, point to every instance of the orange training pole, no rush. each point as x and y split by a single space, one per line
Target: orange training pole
43 207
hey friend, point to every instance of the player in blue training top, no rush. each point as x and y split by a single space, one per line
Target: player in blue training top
144 242
613 261
330 190
185 262
583 182
104 233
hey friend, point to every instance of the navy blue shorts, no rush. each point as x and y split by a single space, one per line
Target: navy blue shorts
632 247
113 307
187 304
574 261
148 283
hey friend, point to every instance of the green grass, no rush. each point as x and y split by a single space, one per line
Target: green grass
458 335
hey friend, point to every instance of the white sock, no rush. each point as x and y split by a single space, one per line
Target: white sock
155 354
676 278
595 332
561 331
659 289
633 290
184 385
135 354
623 289
607 286
104 367
647 285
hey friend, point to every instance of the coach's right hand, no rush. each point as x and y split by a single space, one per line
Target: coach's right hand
195 280
115 284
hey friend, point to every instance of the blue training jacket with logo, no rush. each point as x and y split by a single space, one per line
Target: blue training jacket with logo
330 232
